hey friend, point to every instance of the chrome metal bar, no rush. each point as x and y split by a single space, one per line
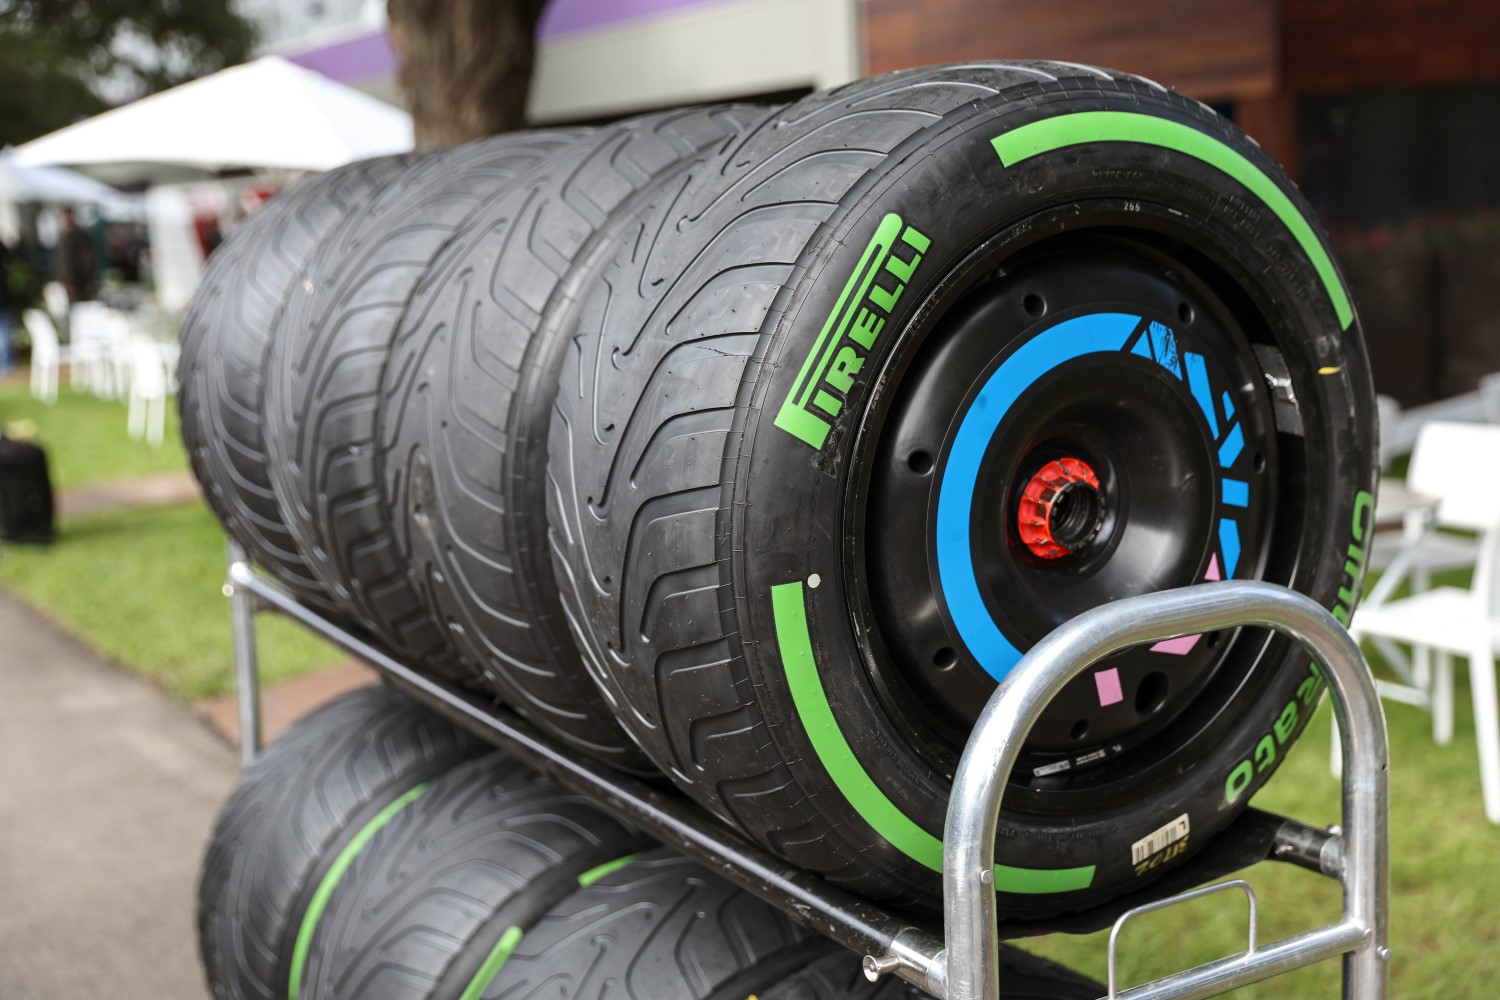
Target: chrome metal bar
1162 904
1227 974
855 923
242 608
1308 847
971 959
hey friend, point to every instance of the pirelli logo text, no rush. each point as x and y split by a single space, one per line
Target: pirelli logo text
857 321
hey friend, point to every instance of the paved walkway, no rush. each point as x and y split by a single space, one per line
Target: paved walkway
164 489
108 789
284 702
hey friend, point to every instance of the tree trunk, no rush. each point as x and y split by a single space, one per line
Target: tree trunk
465 65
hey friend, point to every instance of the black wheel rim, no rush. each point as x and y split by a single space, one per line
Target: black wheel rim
1085 423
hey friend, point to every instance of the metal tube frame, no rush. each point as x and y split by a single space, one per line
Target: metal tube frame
963 963
242 608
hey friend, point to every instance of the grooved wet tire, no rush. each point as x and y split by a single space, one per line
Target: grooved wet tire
660 928
324 378
296 818
1023 976
738 395
454 879
466 401
225 339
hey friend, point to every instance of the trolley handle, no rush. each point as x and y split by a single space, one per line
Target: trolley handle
1183 897
967 968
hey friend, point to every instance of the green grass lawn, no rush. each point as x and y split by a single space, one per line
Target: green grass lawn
143 588
140 586
85 437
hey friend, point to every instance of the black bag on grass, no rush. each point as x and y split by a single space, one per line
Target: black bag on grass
26 506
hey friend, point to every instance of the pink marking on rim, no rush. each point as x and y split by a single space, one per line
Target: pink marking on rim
1181 646
1213 568
1107 683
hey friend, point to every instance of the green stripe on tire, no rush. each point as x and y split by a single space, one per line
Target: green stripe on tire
594 874
794 641
1127 126
493 962
330 882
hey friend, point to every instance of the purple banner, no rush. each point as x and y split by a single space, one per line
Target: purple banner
371 55
354 59
571 17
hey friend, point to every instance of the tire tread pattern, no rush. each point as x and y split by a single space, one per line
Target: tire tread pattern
225 342
290 815
661 928
325 372
648 418
488 846
466 401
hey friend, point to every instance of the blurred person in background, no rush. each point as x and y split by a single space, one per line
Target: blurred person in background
76 263
126 247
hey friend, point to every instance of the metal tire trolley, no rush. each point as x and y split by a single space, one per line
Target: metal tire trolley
962 963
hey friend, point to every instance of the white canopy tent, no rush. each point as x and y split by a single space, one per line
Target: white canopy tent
22 185
269 114
49 185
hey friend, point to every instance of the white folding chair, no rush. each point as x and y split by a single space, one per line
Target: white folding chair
47 355
55 298
91 371
119 354
1388 412
1459 465
147 414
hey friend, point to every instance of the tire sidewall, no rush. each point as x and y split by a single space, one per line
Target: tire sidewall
787 507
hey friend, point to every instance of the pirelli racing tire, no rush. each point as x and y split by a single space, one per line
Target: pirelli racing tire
225 340
660 928
327 360
918 369
298 818
466 400
437 900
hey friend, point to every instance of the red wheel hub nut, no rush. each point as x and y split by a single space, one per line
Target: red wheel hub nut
1061 508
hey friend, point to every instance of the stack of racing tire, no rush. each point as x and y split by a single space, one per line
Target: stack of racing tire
747 448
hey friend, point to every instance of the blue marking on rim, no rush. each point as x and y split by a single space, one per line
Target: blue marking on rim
1164 346
1197 373
1234 443
1072 338
1236 492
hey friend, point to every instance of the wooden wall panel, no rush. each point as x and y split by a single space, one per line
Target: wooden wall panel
1215 50
1340 45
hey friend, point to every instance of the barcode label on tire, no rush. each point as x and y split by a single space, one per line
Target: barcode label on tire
1160 840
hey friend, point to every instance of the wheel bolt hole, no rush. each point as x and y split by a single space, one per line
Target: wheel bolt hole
1034 304
1184 312
1151 693
1080 729
944 659
919 462
1260 461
